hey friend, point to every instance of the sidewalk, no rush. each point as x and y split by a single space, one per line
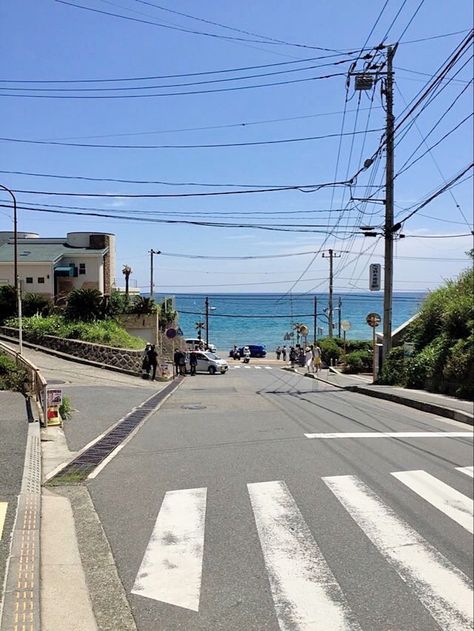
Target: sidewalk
442 405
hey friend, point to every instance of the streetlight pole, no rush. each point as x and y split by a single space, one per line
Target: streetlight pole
152 284
315 320
207 321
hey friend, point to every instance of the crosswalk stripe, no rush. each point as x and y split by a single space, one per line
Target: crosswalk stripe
443 589
452 503
392 435
172 566
268 367
258 368
305 592
3 514
467 470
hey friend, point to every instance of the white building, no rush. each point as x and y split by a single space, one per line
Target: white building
54 266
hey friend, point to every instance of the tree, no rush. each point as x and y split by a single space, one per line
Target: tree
36 304
8 302
143 306
126 271
84 305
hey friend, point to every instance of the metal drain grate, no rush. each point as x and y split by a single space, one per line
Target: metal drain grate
79 468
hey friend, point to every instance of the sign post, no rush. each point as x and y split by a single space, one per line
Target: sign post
373 320
345 326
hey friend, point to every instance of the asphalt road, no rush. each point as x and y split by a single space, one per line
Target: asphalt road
223 515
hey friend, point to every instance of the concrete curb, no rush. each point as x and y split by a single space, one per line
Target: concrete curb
424 406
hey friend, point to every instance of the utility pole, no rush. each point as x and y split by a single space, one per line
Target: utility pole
152 284
389 195
315 320
330 255
207 321
15 238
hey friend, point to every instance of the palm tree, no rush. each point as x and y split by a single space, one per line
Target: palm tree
126 271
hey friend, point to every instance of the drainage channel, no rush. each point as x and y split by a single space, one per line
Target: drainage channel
78 469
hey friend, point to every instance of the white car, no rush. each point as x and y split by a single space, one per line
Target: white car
208 362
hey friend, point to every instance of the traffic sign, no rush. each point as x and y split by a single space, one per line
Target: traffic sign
170 333
373 320
375 275
346 325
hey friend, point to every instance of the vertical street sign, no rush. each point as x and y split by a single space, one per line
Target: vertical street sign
375 273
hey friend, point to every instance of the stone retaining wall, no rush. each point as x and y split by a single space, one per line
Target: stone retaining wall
121 358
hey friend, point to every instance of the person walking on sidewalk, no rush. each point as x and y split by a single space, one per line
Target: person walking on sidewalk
278 352
283 353
152 360
176 357
308 359
293 356
316 358
193 363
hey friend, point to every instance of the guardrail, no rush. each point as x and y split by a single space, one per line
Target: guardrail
36 382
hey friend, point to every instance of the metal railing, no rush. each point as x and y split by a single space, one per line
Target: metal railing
36 383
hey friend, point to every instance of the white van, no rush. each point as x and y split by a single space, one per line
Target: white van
208 362
195 344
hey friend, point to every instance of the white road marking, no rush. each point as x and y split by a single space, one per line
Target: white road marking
172 566
392 435
452 503
305 592
467 470
248 367
268 367
3 514
258 368
443 589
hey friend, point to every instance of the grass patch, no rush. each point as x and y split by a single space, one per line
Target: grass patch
106 332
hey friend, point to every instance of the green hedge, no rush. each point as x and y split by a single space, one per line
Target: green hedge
12 377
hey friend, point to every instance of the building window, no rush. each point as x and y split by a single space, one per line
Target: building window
82 268
41 280
29 280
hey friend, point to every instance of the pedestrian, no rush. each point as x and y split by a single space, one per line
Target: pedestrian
308 359
176 357
193 363
278 352
293 356
283 353
152 360
182 363
146 363
317 358
301 357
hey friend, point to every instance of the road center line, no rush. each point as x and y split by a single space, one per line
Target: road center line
452 503
392 435
304 590
172 566
443 589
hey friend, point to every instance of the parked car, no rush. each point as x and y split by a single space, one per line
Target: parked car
256 350
195 344
208 362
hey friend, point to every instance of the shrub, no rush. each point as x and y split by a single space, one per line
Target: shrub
84 305
66 409
393 370
329 350
36 304
12 377
358 361
8 302
143 306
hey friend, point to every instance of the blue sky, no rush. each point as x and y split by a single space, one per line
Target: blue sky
51 41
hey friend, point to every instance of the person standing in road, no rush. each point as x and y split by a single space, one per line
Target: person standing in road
193 363
293 356
308 359
152 360
278 352
317 358
283 353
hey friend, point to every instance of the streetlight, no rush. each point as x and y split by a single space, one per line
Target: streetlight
208 308
126 271
15 267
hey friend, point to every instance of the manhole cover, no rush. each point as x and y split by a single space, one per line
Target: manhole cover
55 381
193 406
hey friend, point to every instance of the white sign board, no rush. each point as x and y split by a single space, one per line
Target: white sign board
54 397
375 275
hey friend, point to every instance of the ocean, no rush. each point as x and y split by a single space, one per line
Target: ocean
265 318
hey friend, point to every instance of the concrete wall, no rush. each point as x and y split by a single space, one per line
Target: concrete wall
143 326
31 270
